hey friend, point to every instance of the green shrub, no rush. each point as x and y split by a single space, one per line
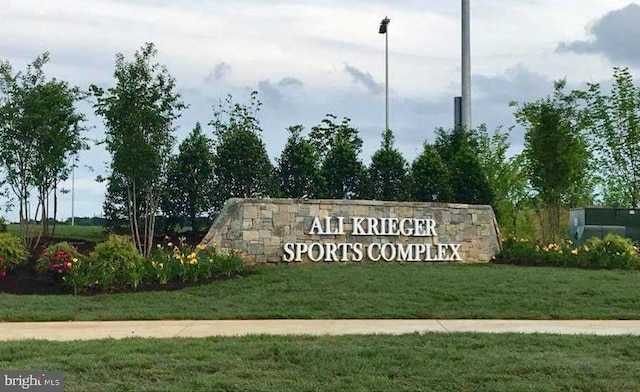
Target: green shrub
116 262
612 252
12 253
3 225
227 265
518 251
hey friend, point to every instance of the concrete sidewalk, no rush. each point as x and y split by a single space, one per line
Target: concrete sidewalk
86 330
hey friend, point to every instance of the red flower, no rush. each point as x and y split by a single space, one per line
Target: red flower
3 273
67 265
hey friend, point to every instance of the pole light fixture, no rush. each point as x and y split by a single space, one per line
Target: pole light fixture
383 30
383 25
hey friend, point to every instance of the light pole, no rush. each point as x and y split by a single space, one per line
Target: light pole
466 66
73 188
383 30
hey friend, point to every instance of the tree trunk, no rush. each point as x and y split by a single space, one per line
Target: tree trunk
131 214
22 220
135 227
43 220
55 210
153 203
44 199
194 224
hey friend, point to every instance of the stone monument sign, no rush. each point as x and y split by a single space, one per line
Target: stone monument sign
294 230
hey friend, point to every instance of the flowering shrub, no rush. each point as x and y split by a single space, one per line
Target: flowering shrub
168 261
612 252
82 277
113 263
188 263
116 264
58 259
12 253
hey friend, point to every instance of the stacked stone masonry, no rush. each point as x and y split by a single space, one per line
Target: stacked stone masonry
259 228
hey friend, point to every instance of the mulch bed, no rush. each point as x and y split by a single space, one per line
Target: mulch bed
24 280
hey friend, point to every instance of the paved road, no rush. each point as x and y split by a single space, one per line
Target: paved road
86 330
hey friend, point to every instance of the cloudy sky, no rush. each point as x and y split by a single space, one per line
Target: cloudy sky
306 60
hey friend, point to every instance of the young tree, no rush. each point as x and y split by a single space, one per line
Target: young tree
429 177
343 171
459 152
506 176
323 136
139 112
613 122
115 204
40 130
190 179
339 147
555 153
388 171
242 166
298 167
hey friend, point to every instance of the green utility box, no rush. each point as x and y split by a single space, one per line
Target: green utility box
585 223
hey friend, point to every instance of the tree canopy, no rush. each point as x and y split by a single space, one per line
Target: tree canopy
190 179
298 167
613 122
243 168
468 182
41 133
388 171
139 112
429 177
556 154
339 146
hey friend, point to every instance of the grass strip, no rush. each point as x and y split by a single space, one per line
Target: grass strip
383 291
433 362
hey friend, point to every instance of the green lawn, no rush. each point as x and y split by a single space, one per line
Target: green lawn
362 291
88 233
432 362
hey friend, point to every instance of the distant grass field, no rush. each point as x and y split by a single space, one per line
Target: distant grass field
432 362
324 291
88 233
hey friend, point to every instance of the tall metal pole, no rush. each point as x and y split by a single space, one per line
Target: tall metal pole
457 112
386 80
73 186
384 30
466 66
